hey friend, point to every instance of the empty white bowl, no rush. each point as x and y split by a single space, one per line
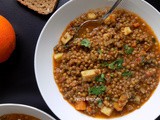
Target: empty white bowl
49 37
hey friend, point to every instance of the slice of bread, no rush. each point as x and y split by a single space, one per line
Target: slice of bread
41 6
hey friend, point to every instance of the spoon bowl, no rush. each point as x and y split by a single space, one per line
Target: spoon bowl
90 24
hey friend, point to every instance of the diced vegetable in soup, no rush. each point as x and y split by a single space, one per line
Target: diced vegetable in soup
109 70
17 117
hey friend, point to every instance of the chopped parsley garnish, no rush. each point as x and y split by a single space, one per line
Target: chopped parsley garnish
97 90
116 64
100 78
128 50
100 102
127 74
104 64
86 43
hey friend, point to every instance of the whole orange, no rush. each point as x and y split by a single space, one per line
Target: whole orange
7 39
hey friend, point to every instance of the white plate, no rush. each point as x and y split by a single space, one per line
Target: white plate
24 109
49 37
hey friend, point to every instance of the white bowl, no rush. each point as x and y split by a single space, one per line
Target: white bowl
24 109
49 37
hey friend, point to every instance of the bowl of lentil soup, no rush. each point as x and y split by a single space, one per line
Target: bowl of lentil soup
110 71
22 112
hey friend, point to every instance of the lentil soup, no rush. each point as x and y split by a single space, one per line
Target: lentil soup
109 70
16 116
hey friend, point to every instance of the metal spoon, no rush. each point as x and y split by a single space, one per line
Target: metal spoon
97 22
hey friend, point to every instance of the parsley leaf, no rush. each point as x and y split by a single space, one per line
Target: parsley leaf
104 64
100 78
116 64
112 66
128 50
97 90
100 102
86 43
127 74
119 63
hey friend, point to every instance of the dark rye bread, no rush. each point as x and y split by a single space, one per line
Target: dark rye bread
41 6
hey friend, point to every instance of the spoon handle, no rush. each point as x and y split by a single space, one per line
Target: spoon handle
111 9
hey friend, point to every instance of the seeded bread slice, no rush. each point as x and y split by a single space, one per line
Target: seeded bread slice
41 6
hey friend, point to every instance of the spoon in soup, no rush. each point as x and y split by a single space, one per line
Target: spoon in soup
94 23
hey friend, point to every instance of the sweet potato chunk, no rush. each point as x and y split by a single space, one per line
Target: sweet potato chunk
119 105
80 105
110 19
136 25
